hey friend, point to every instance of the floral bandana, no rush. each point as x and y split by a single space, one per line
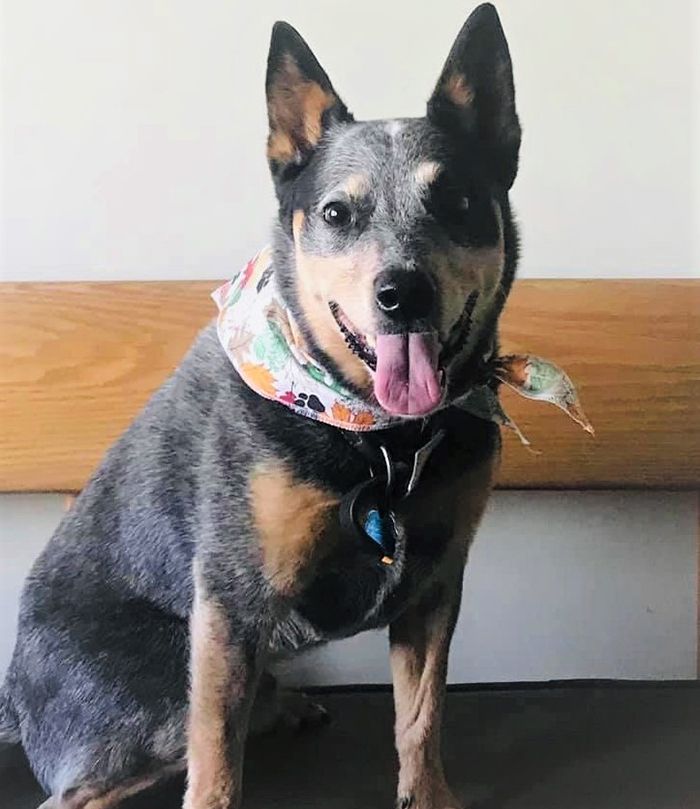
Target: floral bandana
267 349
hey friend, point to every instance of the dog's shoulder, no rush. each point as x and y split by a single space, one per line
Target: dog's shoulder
134 527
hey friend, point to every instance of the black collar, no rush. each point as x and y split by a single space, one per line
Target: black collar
396 459
398 455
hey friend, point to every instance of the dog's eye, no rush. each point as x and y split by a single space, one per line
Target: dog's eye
337 214
447 205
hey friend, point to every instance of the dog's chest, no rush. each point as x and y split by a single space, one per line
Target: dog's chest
339 582
354 585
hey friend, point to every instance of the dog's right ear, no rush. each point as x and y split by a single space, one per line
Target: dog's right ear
301 102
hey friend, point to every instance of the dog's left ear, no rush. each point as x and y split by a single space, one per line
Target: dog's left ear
475 97
301 101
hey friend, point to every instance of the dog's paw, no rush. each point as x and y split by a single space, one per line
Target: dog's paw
438 797
204 799
289 710
298 712
409 802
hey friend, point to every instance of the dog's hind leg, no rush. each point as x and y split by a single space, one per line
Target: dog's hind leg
99 796
104 700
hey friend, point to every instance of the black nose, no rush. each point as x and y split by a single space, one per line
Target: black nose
404 294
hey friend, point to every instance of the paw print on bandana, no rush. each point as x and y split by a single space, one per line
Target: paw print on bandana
312 402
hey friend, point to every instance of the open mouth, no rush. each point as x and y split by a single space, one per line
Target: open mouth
356 342
407 376
408 368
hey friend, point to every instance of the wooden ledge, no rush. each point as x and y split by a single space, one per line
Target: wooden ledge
78 360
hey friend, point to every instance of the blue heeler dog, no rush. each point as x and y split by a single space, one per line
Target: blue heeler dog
224 529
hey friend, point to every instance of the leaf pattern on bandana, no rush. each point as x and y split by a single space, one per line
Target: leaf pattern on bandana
260 378
239 341
271 348
325 379
344 415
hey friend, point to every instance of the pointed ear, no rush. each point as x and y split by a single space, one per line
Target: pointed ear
301 102
475 98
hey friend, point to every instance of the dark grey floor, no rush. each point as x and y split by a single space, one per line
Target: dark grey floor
603 747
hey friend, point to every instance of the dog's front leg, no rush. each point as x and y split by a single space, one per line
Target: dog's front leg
225 666
420 641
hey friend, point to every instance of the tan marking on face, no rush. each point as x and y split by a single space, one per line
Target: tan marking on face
427 173
295 109
214 687
458 90
357 186
460 271
290 517
347 279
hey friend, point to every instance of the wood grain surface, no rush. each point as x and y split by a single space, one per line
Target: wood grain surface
78 361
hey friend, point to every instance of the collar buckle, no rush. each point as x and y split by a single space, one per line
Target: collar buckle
392 470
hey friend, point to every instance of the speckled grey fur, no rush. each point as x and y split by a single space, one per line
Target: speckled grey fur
97 689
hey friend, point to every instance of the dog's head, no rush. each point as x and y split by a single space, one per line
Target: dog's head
395 247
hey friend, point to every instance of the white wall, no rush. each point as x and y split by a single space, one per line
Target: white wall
133 130
26 522
561 585
558 585
131 146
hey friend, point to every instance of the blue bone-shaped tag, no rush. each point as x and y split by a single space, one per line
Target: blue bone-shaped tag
380 530
374 527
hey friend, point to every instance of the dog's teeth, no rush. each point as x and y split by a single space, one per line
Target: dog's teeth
361 345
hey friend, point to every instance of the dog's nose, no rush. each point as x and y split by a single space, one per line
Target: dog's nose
404 294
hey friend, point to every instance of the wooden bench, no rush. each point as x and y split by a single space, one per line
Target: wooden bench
78 360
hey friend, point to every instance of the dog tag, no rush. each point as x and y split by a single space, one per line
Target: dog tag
381 528
360 514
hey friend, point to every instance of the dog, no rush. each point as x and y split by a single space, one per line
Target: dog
224 529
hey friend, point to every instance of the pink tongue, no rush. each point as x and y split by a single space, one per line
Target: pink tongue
407 381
